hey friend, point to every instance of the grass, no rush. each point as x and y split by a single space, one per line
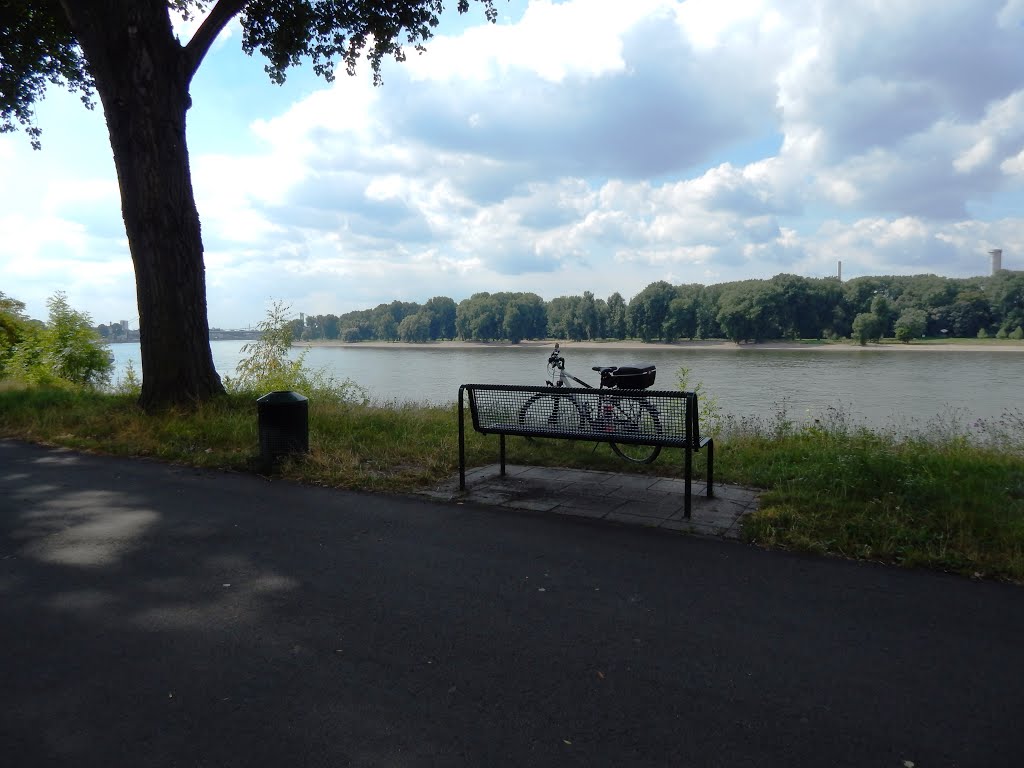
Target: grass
942 341
949 497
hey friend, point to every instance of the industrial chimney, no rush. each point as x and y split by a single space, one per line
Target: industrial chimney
997 259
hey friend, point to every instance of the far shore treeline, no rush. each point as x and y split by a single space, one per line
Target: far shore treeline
783 307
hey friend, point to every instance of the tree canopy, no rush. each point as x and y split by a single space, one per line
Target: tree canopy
783 307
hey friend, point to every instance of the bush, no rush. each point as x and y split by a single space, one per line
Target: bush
65 350
1018 333
709 412
268 366
129 382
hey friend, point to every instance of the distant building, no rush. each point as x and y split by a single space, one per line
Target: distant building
997 259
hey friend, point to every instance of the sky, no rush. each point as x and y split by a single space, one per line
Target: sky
584 145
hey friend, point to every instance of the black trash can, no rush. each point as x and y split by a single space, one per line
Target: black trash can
284 424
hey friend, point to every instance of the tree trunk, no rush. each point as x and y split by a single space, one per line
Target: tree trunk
142 80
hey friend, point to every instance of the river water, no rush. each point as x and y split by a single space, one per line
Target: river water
874 387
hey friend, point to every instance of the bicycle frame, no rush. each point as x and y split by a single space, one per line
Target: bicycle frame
609 410
557 362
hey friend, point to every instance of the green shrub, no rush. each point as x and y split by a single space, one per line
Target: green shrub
66 350
129 382
709 412
267 366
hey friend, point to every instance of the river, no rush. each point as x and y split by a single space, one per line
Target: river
874 387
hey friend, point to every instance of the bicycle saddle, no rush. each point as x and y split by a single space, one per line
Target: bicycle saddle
623 370
631 371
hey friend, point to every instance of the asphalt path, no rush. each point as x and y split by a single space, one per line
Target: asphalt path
153 615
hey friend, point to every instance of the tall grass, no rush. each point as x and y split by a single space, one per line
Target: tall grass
948 494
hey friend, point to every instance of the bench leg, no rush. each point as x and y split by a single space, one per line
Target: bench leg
688 470
711 466
502 439
462 444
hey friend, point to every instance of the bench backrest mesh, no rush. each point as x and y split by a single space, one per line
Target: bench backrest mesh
622 416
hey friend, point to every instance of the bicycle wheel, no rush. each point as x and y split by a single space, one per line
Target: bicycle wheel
636 416
556 413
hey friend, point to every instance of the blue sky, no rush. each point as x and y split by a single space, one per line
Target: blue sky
582 145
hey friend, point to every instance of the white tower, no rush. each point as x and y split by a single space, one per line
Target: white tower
997 259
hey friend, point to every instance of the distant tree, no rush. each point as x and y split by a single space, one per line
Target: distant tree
514 322
563 318
1005 293
586 318
681 321
330 326
867 327
416 328
616 327
706 312
523 316
969 313
601 307
910 325
839 325
649 310
740 312
314 328
859 292
442 310
784 302
479 317
356 326
881 307
127 52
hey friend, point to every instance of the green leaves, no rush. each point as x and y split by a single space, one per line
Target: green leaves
325 31
66 349
267 365
37 48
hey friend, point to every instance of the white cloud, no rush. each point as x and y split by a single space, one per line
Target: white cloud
1013 166
979 154
709 23
553 40
586 145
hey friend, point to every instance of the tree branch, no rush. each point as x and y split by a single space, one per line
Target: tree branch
199 45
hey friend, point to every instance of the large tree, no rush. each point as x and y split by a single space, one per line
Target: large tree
126 51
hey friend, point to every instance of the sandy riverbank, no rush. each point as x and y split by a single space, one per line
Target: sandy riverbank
917 346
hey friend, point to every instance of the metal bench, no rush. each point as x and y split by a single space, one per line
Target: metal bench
667 419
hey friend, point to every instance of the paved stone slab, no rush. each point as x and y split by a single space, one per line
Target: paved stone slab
652 502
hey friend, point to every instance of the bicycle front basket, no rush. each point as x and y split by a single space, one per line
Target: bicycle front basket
632 378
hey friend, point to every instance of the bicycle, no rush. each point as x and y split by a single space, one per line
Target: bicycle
576 412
